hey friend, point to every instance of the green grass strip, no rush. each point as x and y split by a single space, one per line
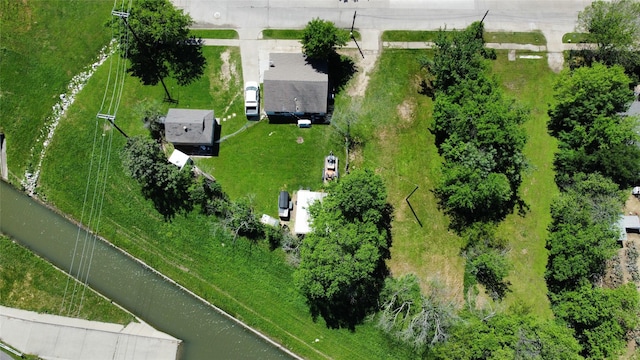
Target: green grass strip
290 34
214 33
575 38
535 38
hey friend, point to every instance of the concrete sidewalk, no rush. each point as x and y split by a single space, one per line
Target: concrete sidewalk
255 51
58 337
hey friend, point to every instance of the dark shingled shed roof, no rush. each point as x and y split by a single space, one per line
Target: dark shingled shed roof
189 127
294 85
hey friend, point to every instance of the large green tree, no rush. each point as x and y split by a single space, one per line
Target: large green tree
601 317
342 261
478 132
508 336
586 119
162 182
613 25
320 38
582 235
459 57
155 37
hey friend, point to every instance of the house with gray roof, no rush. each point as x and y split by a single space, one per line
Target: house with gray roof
296 86
190 128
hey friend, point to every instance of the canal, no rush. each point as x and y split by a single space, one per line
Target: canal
206 333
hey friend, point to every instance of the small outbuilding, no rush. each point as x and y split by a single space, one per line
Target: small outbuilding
179 159
303 219
190 128
296 86
268 220
627 224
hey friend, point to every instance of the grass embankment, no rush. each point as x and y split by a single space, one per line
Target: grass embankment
252 284
534 37
214 33
30 283
43 44
396 118
290 34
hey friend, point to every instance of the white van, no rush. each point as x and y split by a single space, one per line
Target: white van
304 123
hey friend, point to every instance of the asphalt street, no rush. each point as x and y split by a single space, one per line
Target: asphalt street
509 15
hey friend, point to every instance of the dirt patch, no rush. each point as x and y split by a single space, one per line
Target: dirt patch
406 110
226 70
358 85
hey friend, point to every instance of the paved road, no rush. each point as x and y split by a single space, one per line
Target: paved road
511 15
249 17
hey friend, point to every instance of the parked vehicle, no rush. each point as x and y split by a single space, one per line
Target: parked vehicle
252 99
330 170
284 205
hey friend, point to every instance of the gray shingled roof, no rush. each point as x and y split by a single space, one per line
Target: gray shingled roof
189 127
293 85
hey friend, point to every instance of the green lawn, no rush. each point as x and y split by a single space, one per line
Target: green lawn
214 33
253 284
531 83
291 34
400 148
535 37
575 38
395 119
43 44
30 283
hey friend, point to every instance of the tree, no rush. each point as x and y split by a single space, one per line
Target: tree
459 57
601 317
508 336
342 261
159 45
612 25
320 38
163 183
241 220
586 93
586 119
582 236
478 132
417 320
470 189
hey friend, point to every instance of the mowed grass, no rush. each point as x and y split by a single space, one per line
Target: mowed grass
291 34
534 37
531 83
250 282
214 33
30 283
575 38
43 44
401 149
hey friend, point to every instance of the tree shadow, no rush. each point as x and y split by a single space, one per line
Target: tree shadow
341 70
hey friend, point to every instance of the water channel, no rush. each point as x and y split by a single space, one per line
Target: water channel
206 333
